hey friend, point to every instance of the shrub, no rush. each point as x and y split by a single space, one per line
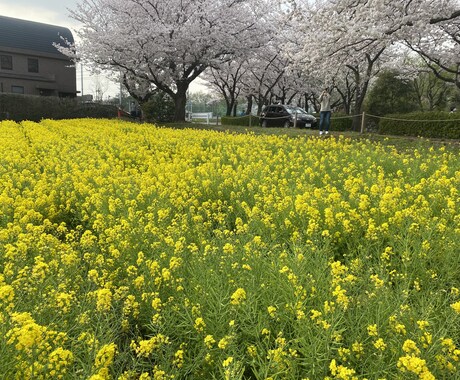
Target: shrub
245 121
391 94
159 108
423 124
34 108
340 122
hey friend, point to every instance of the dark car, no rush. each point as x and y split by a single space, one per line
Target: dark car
279 115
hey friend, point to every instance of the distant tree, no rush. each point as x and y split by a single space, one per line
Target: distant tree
432 92
265 70
99 87
439 44
226 79
391 94
198 101
358 34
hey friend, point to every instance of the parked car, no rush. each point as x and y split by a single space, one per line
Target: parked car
280 115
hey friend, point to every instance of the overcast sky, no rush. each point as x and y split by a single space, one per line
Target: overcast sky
48 11
56 12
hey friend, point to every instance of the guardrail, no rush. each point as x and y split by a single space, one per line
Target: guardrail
201 115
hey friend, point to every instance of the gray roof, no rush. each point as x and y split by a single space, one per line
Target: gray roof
30 35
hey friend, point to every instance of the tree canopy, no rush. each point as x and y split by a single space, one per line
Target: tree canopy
167 44
283 50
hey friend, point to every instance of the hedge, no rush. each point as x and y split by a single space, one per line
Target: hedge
337 124
422 124
340 122
34 108
245 121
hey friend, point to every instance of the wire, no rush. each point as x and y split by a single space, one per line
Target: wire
426 121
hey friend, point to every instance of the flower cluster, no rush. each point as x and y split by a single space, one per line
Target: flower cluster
129 251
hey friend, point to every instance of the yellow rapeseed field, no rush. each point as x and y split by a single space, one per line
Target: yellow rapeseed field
131 251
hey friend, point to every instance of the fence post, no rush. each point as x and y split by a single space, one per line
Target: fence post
295 120
363 121
250 120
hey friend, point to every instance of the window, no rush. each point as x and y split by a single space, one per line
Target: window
6 62
32 65
17 89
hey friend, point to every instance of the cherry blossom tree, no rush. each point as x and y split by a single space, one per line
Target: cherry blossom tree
226 80
264 74
439 46
267 77
334 54
167 43
358 36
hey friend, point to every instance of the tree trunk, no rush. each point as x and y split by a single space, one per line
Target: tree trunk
235 106
249 107
356 125
180 101
362 84
231 104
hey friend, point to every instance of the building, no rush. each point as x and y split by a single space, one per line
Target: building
30 64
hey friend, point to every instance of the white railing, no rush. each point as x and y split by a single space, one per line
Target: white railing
201 116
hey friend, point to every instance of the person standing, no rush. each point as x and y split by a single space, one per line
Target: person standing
325 112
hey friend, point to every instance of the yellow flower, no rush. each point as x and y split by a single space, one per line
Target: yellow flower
227 362
60 359
228 248
199 324
159 374
456 307
358 349
315 314
341 372
422 325
105 355
6 293
146 347
378 283
131 306
27 336
156 303
209 341
224 342
271 311
416 365
178 360
63 301
252 350
166 274
410 346
372 330
238 296
103 299
380 345
341 296
396 326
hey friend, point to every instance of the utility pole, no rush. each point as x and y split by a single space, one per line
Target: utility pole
120 96
81 78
